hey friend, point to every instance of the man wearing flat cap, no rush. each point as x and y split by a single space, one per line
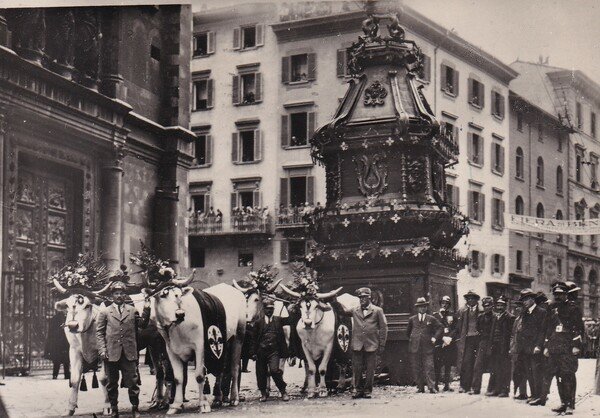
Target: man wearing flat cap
482 358
502 323
444 356
116 332
530 342
468 340
423 332
562 346
369 335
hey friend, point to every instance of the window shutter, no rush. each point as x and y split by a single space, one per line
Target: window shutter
257 145
206 203
209 93
312 66
194 44
456 82
233 201
234 147
235 94
502 213
209 150
481 207
470 146
311 124
285 69
455 135
502 107
256 198
285 130
481 261
493 160
310 190
444 81
194 97
211 42
470 83
341 62
236 38
257 87
284 183
482 94
285 251
481 155
502 263
471 203
260 35
502 160
456 196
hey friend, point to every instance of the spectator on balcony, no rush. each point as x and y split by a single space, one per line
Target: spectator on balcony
219 216
211 213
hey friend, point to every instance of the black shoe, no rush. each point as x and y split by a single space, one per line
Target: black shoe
503 395
54 377
521 397
114 412
367 396
560 409
432 390
358 395
538 402
447 388
421 390
491 394
569 411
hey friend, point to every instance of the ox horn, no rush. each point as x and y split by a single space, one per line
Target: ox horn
329 294
184 282
59 286
272 288
104 289
240 288
290 292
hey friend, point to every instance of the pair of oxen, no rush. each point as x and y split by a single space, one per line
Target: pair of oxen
176 316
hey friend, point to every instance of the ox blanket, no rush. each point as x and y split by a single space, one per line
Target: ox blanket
215 331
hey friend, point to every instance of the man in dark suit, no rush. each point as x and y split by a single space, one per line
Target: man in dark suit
519 376
369 335
468 340
116 332
270 347
530 341
423 332
445 347
484 329
502 323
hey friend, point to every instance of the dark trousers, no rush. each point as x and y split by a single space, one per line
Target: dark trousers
481 365
443 359
519 376
500 368
532 367
128 369
423 370
468 362
56 368
267 363
564 366
363 361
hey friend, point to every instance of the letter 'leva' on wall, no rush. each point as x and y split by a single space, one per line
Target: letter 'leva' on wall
552 226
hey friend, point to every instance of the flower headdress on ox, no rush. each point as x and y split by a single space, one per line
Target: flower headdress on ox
305 284
261 281
156 273
86 275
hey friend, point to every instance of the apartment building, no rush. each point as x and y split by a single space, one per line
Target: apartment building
538 167
575 99
266 75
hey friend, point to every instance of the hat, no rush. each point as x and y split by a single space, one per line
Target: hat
421 302
540 297
471 294
527 293
501 301
517 302
363 291
487 301
269 303
118 285
572 287
446 299
559 288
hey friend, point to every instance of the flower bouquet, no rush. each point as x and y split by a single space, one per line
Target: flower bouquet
86 273
156 270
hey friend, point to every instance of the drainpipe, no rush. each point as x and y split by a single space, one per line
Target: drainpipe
529 213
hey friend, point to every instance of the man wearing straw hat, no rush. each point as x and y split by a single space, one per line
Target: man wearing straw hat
423 332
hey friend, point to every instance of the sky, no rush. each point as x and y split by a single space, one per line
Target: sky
566 31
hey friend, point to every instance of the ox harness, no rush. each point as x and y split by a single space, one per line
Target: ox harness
214 322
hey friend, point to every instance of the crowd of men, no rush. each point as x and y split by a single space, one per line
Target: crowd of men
540 341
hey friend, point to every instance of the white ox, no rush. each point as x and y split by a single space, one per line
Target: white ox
179 321
80 329
316 329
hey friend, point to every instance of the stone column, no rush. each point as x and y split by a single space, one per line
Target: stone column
111 203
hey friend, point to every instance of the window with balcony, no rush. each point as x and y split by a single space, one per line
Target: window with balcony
497 158
476 93
202 94
477 263
519 163
247 88
476 206
453 195
248 37
540 172
298 68
449 80
519 206
203 44
452 130
475 149
246 146
297 128
203 150
559 180
498 105
497 213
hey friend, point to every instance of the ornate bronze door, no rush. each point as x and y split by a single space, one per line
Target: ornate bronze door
47 234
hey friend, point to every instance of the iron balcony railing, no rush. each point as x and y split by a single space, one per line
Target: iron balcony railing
247 224
290 218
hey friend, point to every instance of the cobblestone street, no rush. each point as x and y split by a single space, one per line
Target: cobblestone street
39 396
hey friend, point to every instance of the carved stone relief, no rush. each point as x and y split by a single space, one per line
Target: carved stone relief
371 173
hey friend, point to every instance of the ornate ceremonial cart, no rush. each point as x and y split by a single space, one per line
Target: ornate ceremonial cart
387 223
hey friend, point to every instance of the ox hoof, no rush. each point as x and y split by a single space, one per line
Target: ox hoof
235 402
174 411
323 393
217 404
204 407
106 411
311 395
